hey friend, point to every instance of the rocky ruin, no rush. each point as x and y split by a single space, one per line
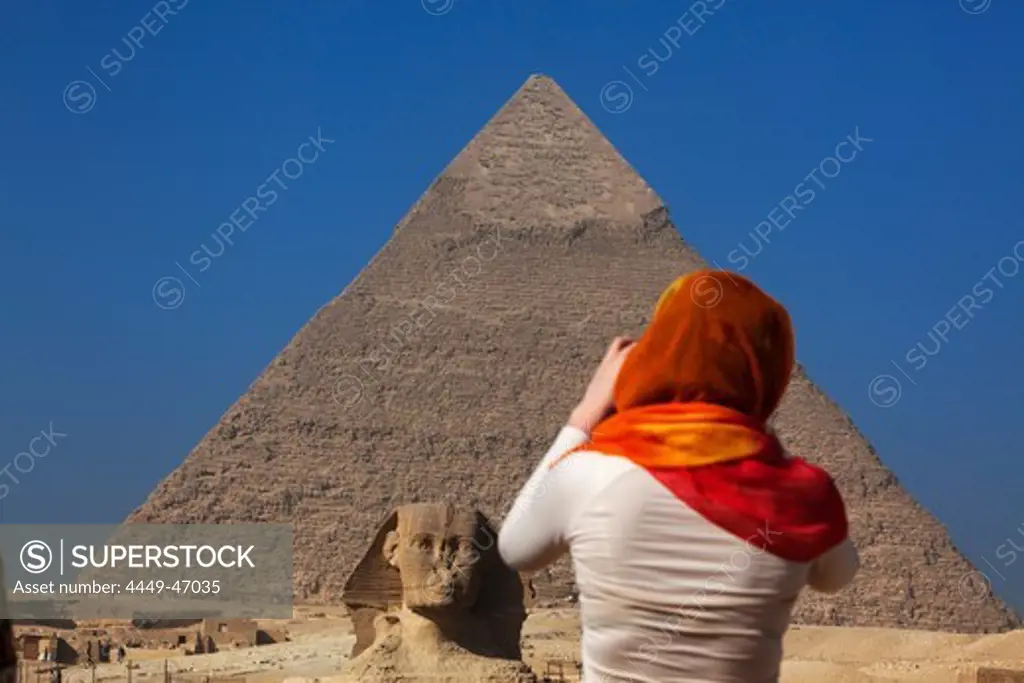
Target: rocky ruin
431 598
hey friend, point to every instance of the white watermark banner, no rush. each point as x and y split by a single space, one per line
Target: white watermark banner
89 571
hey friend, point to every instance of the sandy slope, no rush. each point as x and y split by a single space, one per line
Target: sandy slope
320 646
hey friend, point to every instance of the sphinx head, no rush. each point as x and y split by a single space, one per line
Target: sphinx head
442 562
437 550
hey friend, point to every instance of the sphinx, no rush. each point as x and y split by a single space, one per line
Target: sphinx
431 598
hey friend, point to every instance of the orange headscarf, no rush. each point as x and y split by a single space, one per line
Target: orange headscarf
691 402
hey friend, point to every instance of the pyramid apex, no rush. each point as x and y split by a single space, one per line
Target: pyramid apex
539 83
540 79
541 160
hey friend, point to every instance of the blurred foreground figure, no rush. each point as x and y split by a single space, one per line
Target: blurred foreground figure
8 655
692 532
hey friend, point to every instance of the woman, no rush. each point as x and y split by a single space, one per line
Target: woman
692 533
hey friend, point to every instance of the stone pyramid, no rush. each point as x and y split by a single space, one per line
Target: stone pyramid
444 370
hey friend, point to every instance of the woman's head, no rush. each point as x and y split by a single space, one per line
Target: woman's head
715 338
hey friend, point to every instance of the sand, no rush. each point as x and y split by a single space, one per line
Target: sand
320 646
828 654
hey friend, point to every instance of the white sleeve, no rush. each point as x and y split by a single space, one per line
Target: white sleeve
534 533
835 569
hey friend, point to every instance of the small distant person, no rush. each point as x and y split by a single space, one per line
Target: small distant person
120 653
692 532
88 653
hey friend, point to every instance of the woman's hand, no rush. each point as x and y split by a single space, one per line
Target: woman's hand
598 400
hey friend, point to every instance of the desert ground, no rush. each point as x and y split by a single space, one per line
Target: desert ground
321 639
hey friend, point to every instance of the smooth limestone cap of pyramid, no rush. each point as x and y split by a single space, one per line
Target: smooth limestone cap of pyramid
541 159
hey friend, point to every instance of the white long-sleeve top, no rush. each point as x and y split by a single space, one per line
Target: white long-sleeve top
665 595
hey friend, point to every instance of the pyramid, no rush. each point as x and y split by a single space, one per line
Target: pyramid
445 369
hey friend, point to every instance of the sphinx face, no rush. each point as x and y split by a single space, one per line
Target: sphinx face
437 552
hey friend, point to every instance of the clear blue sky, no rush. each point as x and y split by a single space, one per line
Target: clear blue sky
98 206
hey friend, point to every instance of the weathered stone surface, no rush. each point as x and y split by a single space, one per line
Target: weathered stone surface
440 562
986 675
444 370
459 607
